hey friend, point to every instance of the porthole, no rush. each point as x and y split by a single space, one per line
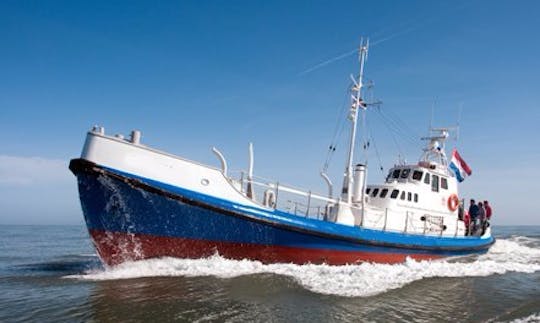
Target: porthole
205 182
405 173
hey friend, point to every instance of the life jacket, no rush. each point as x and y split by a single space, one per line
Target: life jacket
467 218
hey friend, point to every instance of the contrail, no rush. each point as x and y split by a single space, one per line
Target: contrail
414 24
349 53
331 60
409 26
399 33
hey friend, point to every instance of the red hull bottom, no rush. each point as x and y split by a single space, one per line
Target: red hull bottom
117 247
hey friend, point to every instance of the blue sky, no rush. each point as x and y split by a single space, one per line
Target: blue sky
195 74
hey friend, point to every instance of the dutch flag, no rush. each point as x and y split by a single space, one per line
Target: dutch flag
459 166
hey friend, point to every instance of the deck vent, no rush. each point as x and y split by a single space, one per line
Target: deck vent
136 137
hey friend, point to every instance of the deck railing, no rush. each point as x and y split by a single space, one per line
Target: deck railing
316 206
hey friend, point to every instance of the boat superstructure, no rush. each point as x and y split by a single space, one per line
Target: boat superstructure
140 202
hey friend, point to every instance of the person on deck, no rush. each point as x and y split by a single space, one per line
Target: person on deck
473 212
467 221
481 217
488 214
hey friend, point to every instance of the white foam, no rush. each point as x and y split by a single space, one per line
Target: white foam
516 249
531 318
352 280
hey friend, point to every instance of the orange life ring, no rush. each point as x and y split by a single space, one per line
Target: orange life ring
453 202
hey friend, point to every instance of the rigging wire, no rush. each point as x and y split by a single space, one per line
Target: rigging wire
392 134
394 127
398 124
405 127
395 120
334 147
339 120
338 130
375 146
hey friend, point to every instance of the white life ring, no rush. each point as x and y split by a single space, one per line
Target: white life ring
453 202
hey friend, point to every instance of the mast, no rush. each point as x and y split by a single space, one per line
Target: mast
357 103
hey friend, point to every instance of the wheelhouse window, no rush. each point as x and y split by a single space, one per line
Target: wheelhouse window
444 183
395 173
402 197
426 179
405 173
435 183
384 192
368 190
417 175
394 194
375 192
409 196
415 197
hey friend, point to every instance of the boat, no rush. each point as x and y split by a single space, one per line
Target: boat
140 202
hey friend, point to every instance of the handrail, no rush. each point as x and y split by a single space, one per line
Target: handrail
406 221
385 218
374 217
288 188
328 183
221 159
308 203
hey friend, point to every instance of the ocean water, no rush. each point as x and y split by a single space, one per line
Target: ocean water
52 274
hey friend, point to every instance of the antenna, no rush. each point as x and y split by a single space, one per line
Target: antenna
432 113
460 110
353 79
366 47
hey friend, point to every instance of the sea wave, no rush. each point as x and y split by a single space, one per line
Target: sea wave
366 279
528 319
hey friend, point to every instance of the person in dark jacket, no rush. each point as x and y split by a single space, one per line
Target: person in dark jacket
473 212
